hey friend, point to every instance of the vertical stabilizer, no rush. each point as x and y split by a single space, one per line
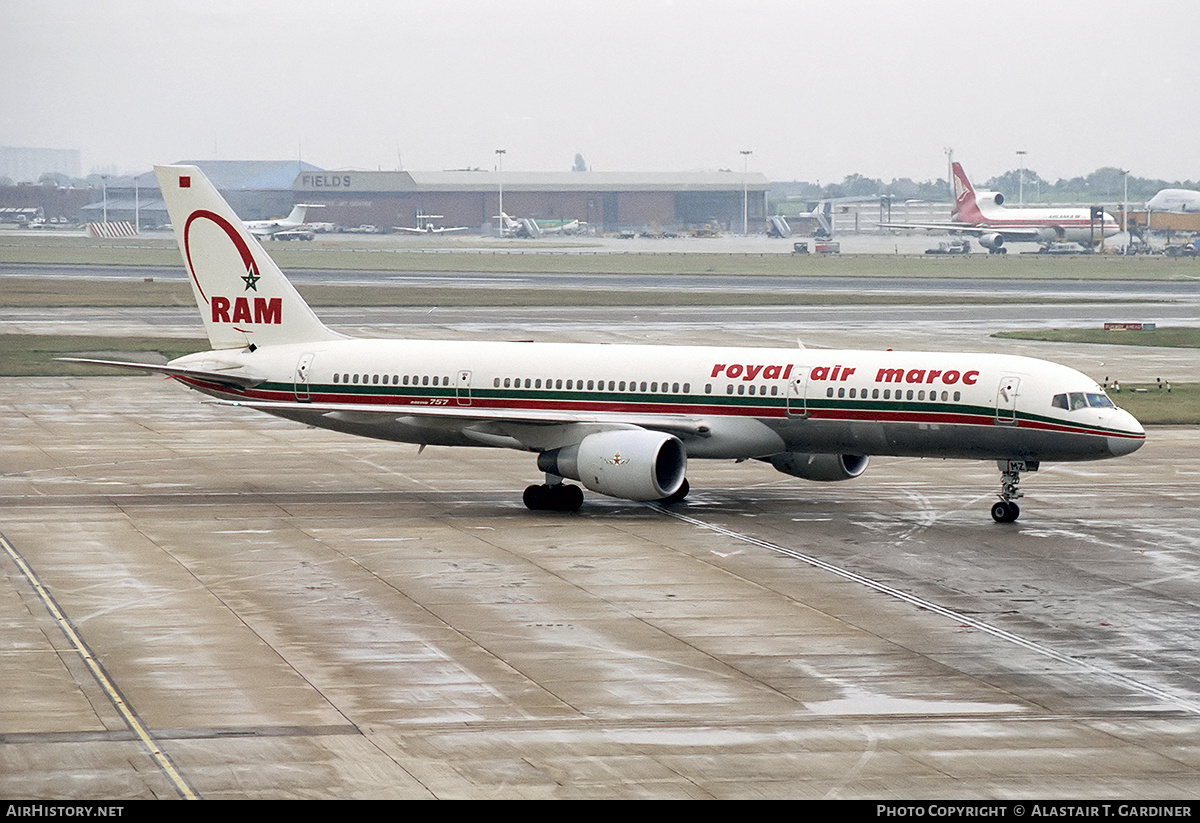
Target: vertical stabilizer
243 297
965 207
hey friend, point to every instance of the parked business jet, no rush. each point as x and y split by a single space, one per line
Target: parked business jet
425 225
622 420
984 215
269 228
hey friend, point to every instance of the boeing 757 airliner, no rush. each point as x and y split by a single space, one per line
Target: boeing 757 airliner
621 420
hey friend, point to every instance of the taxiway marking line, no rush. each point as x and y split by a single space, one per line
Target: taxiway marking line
929 605
160 757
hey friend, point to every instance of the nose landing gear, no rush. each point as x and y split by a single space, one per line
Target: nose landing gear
1007 510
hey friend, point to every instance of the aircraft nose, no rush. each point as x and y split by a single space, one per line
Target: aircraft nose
1132 434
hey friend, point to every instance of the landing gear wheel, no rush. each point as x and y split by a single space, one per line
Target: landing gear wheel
570 498
555 498
1005 511
678 496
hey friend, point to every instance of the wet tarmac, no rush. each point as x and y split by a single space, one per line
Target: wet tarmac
291 613
202 601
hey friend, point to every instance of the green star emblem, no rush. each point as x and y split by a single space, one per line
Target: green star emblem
251 279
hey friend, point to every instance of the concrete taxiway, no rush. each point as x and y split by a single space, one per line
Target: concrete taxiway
199 601
202 601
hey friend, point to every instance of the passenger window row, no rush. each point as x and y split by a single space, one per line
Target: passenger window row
752 389
901 394
653 387
394 379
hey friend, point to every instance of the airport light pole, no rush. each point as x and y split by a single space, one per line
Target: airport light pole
950 170
1021 185
1124 208
500 179
745 191
104 190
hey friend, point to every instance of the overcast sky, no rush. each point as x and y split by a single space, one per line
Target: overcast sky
817 90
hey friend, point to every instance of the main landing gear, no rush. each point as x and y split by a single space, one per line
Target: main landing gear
678 496
556 496
1007 510
553 497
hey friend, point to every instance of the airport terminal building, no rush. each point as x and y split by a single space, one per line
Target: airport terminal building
605 201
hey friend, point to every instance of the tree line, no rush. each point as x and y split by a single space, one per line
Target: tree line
1103 186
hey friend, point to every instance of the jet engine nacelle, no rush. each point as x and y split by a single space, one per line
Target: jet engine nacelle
991 241
633 464
822 467
989 197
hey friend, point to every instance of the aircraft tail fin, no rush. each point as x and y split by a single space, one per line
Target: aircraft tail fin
298 213
244 298
965 207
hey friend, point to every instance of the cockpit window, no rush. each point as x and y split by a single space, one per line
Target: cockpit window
1081 400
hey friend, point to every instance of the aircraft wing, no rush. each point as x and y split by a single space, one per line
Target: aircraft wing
216 375
431 230
489 423
967 228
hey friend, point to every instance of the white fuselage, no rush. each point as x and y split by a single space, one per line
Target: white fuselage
1180 201
1047 224
720 402
267 228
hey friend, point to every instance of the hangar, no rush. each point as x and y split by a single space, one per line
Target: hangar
606 201
256 189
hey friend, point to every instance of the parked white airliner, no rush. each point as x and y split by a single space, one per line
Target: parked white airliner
984 215
1177 201
621 420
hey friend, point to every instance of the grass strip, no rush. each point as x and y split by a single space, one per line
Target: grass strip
29 355
1174 337
396 254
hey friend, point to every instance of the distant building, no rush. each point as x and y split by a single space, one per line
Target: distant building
256 189
44 201
606 201
27 165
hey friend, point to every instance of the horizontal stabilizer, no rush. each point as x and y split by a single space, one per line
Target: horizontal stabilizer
242 381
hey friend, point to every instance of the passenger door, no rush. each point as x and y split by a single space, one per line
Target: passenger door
1006 400
797 393
303 368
